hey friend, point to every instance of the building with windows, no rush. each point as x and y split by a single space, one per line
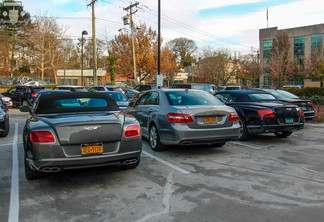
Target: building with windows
303 41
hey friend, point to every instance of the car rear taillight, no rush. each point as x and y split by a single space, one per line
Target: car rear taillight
265 113
311 104
132 130
293 104
301 112
34 94
233 117
179 118
43 136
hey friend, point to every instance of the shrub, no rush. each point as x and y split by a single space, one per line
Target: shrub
313 93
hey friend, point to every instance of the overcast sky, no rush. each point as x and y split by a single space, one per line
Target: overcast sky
231 24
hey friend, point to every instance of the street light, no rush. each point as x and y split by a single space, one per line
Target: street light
84 32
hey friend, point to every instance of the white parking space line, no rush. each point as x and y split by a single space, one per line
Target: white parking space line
166 163
14 193
246 145
9 144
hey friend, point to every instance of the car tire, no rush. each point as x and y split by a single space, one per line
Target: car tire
154 139
131 166
5 131
32 174
244 134
283 134
24 103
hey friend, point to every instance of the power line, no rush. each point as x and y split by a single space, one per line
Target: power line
202 32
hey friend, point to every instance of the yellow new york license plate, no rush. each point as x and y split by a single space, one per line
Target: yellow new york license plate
210 119
89 149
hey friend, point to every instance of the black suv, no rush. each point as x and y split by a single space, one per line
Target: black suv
23 95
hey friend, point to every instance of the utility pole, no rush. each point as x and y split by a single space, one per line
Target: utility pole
133 39
94 42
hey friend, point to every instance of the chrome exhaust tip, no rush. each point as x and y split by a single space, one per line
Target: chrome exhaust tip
51 169
128 162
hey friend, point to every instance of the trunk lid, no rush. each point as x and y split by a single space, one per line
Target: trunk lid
86 128
207 116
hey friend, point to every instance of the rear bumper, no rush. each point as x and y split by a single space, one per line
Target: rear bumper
183 135
84 162
309 114
255 129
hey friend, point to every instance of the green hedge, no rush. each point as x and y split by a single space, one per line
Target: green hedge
313 93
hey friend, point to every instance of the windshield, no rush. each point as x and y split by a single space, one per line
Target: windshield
119 97
179 98
281 94
207 88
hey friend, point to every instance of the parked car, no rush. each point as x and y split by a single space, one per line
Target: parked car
119 97
37 83
6 100
211 88
284 96
71 88
261 112
105 88
184 117
131 93
23 95
4 120
292 87
141 88
78 130
232 87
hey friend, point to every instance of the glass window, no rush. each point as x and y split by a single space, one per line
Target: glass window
259 96
118 97
142 99
299 47
225 97
317 42
185 98
267 46
153 99
281 94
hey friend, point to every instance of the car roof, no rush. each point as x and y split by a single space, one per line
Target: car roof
242 91
69 86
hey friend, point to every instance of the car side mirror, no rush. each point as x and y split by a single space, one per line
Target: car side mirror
25 109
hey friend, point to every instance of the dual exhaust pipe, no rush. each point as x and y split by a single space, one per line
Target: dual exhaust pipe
51 169
128 162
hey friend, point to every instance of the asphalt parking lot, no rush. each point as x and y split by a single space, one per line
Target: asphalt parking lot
264 179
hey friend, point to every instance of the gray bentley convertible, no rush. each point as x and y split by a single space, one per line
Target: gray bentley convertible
78 130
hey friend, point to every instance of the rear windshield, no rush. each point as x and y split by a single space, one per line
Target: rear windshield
79 102
259 96
178 98
68 102
81 90
284 95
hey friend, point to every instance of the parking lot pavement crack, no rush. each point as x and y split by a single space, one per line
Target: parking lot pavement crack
165 200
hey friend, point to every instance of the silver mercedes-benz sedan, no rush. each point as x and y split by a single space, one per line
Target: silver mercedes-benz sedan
78 130
184 117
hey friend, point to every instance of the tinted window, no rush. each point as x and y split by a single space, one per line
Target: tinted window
153 99
142 99
80 102
38 89
192 98
281 94
259 96
225 97
119 97
81 90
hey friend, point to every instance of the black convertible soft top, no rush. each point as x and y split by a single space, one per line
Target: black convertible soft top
46 102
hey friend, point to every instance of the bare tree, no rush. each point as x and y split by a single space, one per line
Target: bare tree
42 40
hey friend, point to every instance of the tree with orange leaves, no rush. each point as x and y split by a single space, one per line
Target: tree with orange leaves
146 53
